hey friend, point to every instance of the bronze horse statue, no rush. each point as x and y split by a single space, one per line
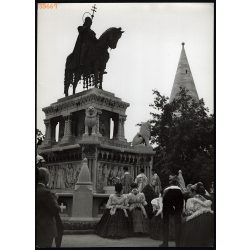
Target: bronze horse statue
92 70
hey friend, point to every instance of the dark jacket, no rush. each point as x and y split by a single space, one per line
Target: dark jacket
172 201
150 194
47 212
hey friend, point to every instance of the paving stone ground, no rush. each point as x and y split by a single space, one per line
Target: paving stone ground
92 240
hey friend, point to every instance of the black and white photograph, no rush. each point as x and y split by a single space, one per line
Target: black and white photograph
125 125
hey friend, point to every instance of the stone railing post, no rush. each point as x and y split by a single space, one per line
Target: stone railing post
99 112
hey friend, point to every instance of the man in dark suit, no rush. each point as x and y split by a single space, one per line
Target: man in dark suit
47 212
172 206
150 194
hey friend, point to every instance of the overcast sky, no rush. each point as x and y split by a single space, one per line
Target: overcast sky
145 58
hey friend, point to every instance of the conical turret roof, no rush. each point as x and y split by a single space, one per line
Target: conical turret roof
183 78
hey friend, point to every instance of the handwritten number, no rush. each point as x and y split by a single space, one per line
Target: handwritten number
47 5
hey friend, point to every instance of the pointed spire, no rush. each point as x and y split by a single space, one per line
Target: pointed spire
183 78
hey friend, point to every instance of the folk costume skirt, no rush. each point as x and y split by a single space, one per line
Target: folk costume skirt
139 223
113 226
198 232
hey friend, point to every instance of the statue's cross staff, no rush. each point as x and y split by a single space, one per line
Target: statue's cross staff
93 11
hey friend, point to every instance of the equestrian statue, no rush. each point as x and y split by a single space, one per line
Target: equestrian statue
87 62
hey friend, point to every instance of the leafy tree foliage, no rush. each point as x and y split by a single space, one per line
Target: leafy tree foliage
183 133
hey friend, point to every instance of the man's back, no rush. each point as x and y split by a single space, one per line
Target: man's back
172 201
172 207
46 210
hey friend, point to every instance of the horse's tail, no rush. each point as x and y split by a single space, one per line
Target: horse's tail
69 62
68 73
66 82
68 79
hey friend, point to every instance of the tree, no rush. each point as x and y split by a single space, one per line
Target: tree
183 133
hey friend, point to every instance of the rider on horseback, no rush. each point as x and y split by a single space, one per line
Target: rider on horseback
88 60
85 40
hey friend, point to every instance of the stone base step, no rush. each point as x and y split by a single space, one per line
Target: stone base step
71 232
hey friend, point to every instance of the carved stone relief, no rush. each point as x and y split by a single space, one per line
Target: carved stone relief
109 174
64 176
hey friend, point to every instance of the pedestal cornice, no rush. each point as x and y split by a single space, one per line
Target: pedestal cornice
102 100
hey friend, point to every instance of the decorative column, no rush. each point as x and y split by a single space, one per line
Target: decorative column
151 164
98 122
132 171
61 129
67 137
120 134
47 139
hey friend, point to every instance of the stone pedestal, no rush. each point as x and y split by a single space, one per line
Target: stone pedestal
85 130
82 203
83 195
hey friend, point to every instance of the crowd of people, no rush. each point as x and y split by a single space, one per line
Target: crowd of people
179 213
139 207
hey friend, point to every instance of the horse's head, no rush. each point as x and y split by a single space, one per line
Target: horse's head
112 36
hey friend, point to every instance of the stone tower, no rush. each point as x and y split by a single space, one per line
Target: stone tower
183 78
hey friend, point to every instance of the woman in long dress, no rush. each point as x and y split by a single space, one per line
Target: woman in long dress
114 222
138 215
197 230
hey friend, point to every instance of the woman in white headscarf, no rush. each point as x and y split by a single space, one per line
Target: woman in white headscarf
138 215
197 230
114 222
